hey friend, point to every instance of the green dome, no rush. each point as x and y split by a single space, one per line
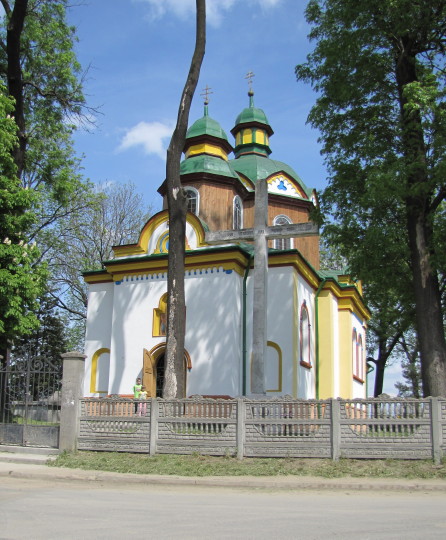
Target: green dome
206 126
252 116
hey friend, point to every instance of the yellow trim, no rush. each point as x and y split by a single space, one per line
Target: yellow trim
276 347
94 369
104 277
345 355
326 344
206 148
140 248
229 260
157 312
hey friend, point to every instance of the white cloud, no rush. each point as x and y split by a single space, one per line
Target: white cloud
215 9
149 135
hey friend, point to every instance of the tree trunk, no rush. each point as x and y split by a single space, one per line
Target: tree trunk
14 76
175 370
419 217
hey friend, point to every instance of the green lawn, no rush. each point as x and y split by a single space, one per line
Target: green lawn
198 465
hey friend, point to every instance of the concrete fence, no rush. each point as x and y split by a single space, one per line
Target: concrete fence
285 427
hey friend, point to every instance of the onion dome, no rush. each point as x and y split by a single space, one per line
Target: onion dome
206 148
252 131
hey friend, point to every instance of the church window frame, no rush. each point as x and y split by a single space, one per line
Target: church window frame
193 200
305 337
358 356
159 326
237 213
282 243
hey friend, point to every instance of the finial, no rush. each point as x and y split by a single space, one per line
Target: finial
249 76
205 94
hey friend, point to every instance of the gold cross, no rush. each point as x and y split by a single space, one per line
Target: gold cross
249 76
205 94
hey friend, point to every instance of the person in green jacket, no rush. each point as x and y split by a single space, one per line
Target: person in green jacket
136 391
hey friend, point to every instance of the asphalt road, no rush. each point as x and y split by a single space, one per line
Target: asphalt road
44 509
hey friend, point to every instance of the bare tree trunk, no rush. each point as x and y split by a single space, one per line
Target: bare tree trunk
174 378
419 217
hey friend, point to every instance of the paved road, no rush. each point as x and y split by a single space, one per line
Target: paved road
44 509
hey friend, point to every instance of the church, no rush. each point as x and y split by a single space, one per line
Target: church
315 320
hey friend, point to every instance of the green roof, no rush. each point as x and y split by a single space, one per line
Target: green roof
257 167
205 163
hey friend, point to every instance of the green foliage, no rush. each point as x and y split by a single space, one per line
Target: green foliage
50 186
20 284
383 141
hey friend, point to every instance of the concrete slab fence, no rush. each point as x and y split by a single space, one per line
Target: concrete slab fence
285 427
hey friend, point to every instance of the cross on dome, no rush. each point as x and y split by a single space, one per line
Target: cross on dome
250 76
205 94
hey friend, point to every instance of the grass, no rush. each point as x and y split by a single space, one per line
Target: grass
199 465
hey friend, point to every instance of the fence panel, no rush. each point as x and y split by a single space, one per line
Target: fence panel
205 426
111 424
287 428
384 429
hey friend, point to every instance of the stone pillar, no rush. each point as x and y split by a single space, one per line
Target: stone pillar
72 381
260 307
335 419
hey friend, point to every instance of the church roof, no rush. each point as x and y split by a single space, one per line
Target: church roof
206 163
256 167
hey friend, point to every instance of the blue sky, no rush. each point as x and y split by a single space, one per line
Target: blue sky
138 53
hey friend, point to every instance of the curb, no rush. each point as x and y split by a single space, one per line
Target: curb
41 471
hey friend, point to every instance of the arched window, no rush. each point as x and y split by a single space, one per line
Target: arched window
357 356
159 326
305 337
193 200
282 243
237 212
360 359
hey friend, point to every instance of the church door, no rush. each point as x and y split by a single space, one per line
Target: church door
160 376
153 374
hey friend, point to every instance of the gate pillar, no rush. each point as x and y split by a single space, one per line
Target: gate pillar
72 381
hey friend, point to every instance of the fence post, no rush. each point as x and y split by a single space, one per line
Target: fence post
240 428
335 418
72 379
435 429
153 426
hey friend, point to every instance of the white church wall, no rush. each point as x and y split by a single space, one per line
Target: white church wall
281 330
134 301
98 333
213 332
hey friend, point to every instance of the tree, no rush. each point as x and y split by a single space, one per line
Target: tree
41 75
174 380
19 283
84 240
411 368
379 70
